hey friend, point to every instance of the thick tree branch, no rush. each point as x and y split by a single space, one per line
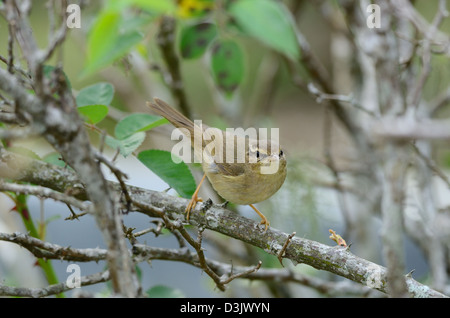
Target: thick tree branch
337 260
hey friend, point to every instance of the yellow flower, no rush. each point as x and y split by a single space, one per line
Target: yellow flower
194 8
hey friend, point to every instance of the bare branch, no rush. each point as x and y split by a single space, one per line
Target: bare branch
44 193
341 98
53 289
47 250
409 128
244 273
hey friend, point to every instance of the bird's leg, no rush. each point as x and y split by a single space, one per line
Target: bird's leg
194 199
264 219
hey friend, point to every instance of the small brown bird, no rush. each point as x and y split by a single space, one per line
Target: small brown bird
248 181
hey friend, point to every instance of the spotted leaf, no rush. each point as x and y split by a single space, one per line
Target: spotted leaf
195 39
227 64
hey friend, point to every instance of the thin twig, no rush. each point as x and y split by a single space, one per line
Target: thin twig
283 249
196 244
10 62
432 165
57 38
74 216
242 274
348 99
426 56
166 42
120 176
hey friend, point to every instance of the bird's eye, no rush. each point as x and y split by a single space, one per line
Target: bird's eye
281 153
257 154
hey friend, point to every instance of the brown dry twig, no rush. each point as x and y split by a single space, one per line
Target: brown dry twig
283 249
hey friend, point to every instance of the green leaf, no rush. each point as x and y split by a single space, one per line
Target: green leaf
137 122
138 272
97 94
227 64
269 22
93 114
101 39
195 39
106 42
55 159
178 176
446 160
161 291
127 145
92 101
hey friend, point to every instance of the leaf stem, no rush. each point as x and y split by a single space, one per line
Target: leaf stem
46 265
